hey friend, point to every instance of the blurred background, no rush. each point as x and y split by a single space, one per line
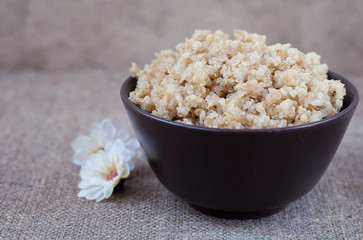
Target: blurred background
53 35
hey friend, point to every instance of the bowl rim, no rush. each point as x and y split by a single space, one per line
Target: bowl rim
355 99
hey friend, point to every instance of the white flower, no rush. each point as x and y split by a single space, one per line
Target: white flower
106 157
100 135
103 171
129 146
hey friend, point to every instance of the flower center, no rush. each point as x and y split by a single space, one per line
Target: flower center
112 175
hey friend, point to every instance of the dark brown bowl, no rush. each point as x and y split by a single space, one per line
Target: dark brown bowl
239 173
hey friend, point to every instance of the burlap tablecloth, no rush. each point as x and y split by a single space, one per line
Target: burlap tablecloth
42 112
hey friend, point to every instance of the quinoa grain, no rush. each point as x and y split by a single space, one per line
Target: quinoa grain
214 81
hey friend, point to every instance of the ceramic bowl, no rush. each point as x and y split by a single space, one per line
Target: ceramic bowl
241 173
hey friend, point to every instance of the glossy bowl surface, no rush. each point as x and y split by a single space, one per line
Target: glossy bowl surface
239 173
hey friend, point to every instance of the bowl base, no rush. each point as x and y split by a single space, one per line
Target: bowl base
237 215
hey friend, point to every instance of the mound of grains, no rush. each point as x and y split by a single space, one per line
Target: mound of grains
213 81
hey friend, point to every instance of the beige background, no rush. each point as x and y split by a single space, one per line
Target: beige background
62 63
63 35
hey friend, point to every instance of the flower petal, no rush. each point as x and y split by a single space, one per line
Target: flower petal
109 129
123 134
87 173
108 191
82 193
100 197
83 143
110 162
103 132
96 162
80 158
90 182
123 170
94 194
132 144
131 165
117 147
90 193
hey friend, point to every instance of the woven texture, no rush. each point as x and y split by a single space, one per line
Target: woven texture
41 113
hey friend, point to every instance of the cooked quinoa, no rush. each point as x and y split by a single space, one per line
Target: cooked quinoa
214 81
